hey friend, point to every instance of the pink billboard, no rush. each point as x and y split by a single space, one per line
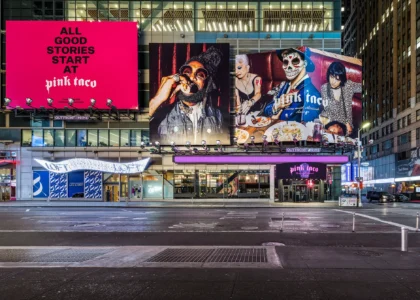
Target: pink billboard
79 61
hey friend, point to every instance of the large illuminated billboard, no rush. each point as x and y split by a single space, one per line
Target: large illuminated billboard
63 60
297 94
189 93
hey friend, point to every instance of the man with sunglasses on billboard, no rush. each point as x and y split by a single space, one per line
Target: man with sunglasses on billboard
192 117
296 99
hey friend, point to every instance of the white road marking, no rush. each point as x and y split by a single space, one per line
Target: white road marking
28 210
377 219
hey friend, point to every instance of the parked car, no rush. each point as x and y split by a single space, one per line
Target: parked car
401 198
381 197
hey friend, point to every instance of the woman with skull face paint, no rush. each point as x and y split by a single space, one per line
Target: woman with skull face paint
248 85
338 93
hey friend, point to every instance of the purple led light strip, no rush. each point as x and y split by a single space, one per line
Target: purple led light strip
254 159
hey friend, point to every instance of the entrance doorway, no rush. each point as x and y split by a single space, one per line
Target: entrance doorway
300 191
111 192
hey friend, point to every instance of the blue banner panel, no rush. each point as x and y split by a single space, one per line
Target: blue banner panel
58 185
76 184
41 184
93 184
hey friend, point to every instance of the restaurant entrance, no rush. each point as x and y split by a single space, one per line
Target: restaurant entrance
301 190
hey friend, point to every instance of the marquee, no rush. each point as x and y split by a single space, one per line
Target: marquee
75 164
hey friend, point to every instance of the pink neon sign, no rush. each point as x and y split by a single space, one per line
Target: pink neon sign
77 60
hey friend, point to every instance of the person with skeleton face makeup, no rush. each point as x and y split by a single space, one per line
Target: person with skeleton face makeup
296 99
192 117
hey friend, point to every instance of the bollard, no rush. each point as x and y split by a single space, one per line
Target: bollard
282 220
354 222
417 223
404 239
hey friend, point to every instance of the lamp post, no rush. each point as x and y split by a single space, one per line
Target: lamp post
359 193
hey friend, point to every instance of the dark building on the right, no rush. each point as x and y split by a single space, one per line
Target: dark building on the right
386 36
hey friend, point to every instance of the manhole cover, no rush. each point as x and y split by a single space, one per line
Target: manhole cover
247 255
285 218
275 244
181 255
329 226
367 253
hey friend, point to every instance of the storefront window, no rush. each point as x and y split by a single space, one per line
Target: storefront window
152 186
184 184
125 137
71 138
103 138
26 138
145 136
114 138
93 138
59 138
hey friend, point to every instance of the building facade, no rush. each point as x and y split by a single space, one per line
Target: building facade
386 36
248 27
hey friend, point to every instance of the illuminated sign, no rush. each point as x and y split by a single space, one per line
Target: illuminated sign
301 171
75 164
305 150
78 64
71 118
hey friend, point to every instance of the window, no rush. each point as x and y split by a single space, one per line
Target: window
103 138
59 138
70 138
27 138
37 138
399 124
81 138
49 137
114 138
418 115
135 138
418 133
404 138
92 138
125 137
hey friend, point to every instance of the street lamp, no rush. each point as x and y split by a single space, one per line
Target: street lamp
359 194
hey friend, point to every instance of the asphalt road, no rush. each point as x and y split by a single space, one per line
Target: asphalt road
321 258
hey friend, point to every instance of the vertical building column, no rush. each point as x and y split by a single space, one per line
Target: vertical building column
272 183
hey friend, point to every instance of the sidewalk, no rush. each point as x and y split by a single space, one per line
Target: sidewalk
211 203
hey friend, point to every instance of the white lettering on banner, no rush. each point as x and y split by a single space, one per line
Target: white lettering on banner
75 164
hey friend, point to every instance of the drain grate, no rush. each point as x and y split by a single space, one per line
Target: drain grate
71 255
22 255
251 255
181 255
285 218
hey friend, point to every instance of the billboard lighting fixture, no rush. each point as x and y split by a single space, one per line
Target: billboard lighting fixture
188 144
235 140
7 101
172 143
203 142
50 101
71 101
109 102
157 143
92 102
142 145
28 101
